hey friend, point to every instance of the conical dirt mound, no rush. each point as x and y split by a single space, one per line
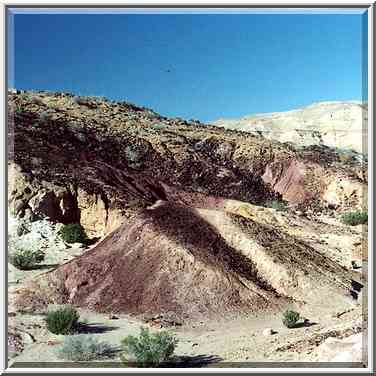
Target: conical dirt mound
195 263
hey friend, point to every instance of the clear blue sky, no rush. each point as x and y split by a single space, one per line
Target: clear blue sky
203 66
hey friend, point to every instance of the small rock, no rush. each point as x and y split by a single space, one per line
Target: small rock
53 343
194 344
268 332
113 317
27 337
12 314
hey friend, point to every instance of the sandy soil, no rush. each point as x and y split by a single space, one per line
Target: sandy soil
204 343
230 342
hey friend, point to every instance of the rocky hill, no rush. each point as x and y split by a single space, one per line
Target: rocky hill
341 125
104 164
81 157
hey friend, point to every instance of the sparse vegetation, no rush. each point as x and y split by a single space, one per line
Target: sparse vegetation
132 154
84 347
160 126
63 320
290 318
25 259
148 349
25 96
355 218
73 233
18 109
276 205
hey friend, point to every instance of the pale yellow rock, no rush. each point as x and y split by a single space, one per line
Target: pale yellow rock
95 217
335 124
93 213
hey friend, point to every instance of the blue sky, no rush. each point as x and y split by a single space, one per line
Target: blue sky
202 66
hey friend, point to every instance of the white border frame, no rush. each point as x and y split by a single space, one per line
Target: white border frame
3 168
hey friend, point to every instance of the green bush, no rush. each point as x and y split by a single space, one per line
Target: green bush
148 349
25 259
63 320
290 318
355 218
277 205
83 347
73 233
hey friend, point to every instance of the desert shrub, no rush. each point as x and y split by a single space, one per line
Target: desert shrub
73 233
290 318
83 347
25 258
132 154
25 97
148 349
18 109
63 320
276 205
160 126
355 218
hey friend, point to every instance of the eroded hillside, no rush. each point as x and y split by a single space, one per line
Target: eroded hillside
102 157
341 125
